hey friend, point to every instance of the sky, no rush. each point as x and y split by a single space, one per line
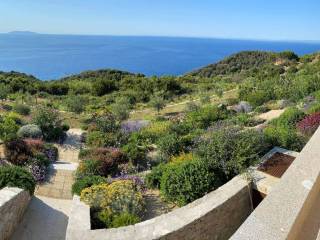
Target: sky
241 19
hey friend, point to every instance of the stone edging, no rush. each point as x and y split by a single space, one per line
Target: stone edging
13 203
217 215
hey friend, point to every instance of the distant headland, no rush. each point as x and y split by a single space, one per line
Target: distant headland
22 33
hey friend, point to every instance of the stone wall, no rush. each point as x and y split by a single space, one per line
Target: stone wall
13 203
215 216
291 210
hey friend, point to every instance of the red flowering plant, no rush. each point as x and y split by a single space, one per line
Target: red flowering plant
309 124
109 160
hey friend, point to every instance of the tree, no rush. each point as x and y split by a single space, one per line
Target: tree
48 119
77 103
121 108
103 86
158 102
4 91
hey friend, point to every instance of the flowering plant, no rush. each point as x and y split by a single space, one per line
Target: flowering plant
309 124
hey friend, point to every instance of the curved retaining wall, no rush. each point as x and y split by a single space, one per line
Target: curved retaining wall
13 203
215 216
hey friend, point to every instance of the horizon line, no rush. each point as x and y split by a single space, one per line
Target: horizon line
31 33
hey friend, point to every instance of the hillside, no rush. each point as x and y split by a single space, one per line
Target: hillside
243 61
16 81
259 77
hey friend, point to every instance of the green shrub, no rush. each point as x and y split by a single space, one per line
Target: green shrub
22 109
289 118
76 104
170 145
86 182
205 116
282 132
153 132
107 123
124 219
96 139
48 119
285 137
65 127
246 120
153 179
6 107
8 128
84 153
105 219
105 139
261 109
180 128
185 182
137 154
30 131
230 151
314 108
14 176
121 108
15 117
192 106
88 168
117 197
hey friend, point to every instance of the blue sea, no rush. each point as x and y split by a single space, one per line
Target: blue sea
55 56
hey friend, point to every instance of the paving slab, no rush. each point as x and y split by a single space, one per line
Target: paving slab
45 219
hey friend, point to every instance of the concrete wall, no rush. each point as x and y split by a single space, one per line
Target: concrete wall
292 209
215 216
13 203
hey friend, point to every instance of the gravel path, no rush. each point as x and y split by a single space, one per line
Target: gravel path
272 114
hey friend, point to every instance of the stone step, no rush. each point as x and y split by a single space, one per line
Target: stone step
57 185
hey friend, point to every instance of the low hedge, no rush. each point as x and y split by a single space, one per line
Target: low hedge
187 181
14 176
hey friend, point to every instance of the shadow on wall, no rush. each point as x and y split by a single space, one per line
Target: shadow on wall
41 222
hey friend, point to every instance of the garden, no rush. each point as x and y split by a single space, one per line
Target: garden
182 158
27 144
178 156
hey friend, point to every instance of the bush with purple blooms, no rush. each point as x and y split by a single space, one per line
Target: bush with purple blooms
137 181
37 165
51 152
134 125
38 172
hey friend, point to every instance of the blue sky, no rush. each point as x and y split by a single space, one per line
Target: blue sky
249 19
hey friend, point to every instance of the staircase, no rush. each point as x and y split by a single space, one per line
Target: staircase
47 215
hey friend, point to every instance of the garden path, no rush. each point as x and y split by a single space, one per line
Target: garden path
268 116
47 214
272 114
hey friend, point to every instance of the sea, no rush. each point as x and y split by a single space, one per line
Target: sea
49 57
